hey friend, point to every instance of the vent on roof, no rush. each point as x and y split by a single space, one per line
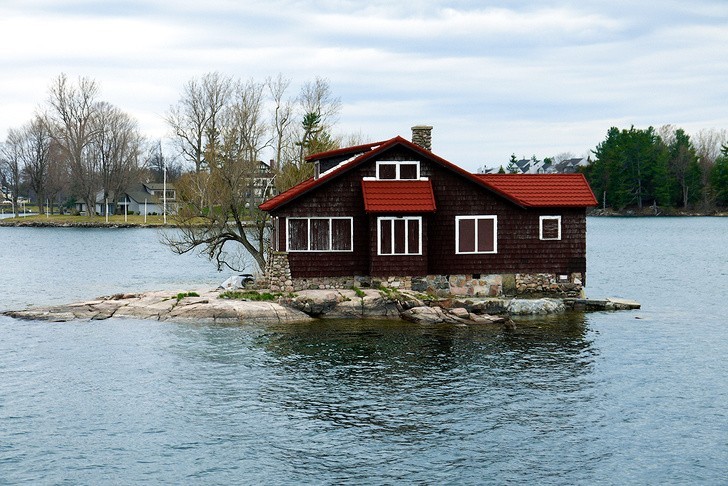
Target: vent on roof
422 136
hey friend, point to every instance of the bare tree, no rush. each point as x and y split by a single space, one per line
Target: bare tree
319 112
194 119
117 146
219 203
11 165
59 181
72 125
156 163
282 116
35 151
708 144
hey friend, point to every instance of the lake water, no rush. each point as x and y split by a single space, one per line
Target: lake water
634 397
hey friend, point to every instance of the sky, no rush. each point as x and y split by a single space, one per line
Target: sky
493 78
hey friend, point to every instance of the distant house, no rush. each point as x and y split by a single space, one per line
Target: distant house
570 166
142 198
394 212
532 166
149 198
263 185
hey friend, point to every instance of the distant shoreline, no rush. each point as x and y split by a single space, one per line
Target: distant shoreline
649 212
68 221
81 222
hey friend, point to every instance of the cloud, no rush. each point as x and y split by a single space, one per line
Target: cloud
515 76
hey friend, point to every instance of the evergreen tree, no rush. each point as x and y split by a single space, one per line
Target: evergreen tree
631 168
685 169
719 178
512 168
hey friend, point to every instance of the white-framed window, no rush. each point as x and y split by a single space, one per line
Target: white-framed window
476 234
398 170
549 227
399 235
320 234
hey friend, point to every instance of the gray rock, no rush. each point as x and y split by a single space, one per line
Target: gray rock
460 312
535 306
431 315
164 306
314 302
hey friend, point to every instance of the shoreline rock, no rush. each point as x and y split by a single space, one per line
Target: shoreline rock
206 306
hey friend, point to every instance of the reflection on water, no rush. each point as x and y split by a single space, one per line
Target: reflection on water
428 375
381 400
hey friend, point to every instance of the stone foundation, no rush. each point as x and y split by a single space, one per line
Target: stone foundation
277 273
278 279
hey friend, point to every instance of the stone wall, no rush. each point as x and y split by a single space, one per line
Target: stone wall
548 284
278 279
277 273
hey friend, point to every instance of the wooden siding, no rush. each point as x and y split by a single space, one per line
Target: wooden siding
520 250
341 197
387 265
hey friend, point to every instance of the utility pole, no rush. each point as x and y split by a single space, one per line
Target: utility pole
164 184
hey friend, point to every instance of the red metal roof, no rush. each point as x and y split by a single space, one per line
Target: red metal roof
398 196
286 196
543 190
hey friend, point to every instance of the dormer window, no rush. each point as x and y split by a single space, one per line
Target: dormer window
398 170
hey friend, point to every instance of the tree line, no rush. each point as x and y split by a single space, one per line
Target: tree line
76 145
79 148
663 167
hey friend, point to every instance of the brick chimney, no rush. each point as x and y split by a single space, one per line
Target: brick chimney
422 136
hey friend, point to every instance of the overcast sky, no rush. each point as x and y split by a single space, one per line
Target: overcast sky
493 77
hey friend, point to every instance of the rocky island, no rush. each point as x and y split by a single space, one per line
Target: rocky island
219 306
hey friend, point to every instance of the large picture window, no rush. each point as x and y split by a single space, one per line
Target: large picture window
399 236
476 234
398 170
549 227
320 234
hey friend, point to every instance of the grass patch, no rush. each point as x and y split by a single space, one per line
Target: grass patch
247 295
61 219
182 295
359 292
389 292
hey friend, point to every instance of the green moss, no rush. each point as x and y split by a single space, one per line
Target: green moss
389 292
182 295
359 292
247 295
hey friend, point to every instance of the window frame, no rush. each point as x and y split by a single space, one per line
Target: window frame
308 233
476 217
392 219
397 164
540 227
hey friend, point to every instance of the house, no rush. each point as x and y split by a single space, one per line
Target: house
263 182
570 166
142 198
393 213
149 198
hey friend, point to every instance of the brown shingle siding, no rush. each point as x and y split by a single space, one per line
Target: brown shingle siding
520 249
